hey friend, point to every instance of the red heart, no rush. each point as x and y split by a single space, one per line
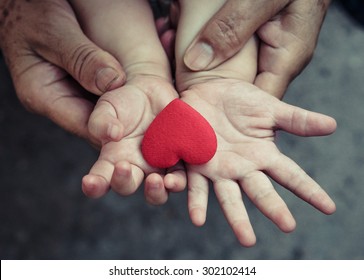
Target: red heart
178 132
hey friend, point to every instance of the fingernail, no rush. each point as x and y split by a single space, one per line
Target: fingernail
107 79
199 56
113 132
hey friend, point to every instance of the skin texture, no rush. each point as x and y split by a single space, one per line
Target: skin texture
245 119
287 30
48 56
247 156
121 116
121 165
55 67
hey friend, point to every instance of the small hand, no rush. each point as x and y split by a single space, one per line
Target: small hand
119 122
245 120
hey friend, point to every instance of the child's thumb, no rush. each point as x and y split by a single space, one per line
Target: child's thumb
103 124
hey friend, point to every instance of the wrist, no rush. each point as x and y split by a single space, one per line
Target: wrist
243 67
148 68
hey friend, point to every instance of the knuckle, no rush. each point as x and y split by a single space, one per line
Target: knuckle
80 59
226 30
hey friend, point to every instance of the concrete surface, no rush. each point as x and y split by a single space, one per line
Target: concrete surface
44 215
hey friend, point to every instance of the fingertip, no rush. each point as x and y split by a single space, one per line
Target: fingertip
126 178
114 131
287 223
328 207
326 125
244 233
283 219
198 216
104 126
332 124
94 186
323 203
331 208
303 122
154 190
169 182
175 181
248 241
246 237
122 179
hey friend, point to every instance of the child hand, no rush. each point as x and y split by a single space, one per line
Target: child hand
245 120
119 121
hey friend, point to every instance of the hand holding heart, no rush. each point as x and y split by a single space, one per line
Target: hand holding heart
244 120
119 121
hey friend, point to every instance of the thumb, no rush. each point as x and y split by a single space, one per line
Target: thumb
69 48
228 30
103 124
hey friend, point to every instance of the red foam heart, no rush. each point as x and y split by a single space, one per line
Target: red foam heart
178 132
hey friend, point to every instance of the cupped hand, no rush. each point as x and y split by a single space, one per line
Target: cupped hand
245 120
119 122
287 29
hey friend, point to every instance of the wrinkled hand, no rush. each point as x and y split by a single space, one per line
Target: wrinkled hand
288 30
119 122
245 120
47 52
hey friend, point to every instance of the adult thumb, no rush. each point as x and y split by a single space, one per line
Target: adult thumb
228 30
95 69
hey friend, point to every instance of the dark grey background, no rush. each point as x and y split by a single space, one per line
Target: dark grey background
44 215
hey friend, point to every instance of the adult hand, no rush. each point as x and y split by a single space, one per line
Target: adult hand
288 31
49 57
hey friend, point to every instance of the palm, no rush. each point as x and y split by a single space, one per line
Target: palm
244 129
245 119
132 107
48 90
